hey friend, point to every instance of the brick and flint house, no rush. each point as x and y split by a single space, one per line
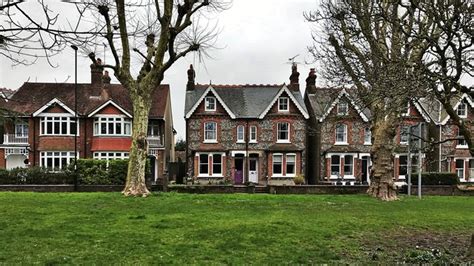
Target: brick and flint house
340 139
453 152
245 133
43 128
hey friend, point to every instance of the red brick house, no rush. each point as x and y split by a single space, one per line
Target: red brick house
44 126
245 133
454 153
340 139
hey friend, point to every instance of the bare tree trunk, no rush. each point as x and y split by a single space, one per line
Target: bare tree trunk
382 185
136 185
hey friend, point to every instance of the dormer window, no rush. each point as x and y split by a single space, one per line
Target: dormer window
210 103
462 110
342 108
283 105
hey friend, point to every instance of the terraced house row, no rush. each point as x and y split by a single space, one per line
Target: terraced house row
268 134
262 134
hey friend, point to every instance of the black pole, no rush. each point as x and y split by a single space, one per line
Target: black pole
75 116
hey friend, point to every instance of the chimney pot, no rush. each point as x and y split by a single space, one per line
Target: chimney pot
294 78
311 82
106 78
96 72
191 76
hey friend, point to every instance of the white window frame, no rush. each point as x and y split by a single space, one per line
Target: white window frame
253 134
285 101
21 129
219 163
111 155
208 101
344 134
332 175
462 111
470 164
343 108
351 175
404 135
240 134
461 143
206 131
60 119
280 155
367 136
210 158
60 155
124 122
460 170
294 165
287 140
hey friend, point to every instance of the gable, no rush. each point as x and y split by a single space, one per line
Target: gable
109 106
292 109
209 91
55 109
109 110
219 108
54 106
465 98
351 104
284 91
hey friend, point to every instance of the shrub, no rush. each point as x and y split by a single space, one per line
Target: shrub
91 172
433 178
299 179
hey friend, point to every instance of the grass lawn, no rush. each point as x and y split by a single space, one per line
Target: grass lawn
82 228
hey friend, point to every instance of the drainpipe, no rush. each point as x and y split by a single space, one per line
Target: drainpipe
34 141
247 152
439 148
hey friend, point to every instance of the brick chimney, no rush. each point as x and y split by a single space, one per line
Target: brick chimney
191 75
311 82
96 72
294 78
106 78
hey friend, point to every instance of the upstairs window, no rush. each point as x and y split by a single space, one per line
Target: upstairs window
62 125
253 134
283 132
462 110
342 108
283 104
112 126
154 128
210 132
210 103
461 141
240 134
367 136
341 134
21 129
404 134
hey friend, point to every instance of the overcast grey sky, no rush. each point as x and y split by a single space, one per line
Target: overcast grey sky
257 38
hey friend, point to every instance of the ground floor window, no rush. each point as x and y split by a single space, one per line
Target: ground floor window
341 165
56 160
285 162
460 168
110 155
210 164
335 165
471 169
402 166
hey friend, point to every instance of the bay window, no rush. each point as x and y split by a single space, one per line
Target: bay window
210 164
335 165
112 126
290 164
56 160
58 125
277 164
348 165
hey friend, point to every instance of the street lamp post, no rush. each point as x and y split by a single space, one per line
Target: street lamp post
75 116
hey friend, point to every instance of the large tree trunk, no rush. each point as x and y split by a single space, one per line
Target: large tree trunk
136 185
382 185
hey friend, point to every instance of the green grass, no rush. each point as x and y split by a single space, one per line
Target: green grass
83 228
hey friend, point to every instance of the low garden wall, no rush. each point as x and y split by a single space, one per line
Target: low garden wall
62 188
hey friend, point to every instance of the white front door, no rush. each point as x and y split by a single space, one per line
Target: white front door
15 161
253 170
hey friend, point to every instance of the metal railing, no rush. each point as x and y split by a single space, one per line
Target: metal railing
15 139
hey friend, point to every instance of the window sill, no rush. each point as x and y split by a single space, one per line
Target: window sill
210 176
209 110
253 141
283 141
368 144
341 143
59 135
210 141
120 136
351 177
283 176
461 147
240 141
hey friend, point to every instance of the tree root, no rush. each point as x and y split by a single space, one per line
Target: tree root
383 190
139 190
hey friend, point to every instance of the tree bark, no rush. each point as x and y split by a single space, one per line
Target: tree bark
382 185
136 185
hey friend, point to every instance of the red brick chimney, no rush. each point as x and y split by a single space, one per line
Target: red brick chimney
294 78
311 82
96 72
106 78
191 75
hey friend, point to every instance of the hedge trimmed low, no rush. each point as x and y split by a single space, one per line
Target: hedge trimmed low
434 178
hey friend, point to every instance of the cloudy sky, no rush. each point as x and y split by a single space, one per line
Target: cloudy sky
257 38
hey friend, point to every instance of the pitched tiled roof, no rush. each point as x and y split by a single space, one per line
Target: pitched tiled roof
244 101
32 96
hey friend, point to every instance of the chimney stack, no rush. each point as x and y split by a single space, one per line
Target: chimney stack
191 75
106 78
294 78
96 72
311 82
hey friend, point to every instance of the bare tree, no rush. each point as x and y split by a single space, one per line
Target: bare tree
163 31
360 44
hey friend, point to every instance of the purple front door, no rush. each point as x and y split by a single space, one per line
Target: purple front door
239 177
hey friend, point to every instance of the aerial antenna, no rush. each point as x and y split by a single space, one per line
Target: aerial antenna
292 61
